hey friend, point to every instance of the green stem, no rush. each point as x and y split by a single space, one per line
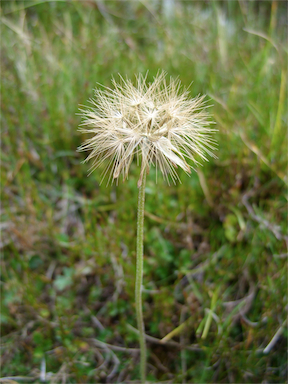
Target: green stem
139 278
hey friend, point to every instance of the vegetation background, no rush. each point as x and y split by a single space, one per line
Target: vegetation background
215 245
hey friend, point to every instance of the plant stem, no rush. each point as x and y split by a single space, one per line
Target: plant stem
139 277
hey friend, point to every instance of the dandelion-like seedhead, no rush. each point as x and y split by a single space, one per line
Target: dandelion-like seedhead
156 122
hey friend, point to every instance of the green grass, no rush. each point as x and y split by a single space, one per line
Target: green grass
216 241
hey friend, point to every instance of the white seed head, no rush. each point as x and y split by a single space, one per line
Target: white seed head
156 122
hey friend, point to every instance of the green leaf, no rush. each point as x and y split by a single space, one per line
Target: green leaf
230 227
62 282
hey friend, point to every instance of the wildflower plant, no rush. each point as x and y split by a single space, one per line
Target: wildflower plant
159 125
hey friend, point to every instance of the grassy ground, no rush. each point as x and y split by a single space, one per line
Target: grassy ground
215 245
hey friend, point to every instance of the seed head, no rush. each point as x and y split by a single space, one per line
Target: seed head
156 122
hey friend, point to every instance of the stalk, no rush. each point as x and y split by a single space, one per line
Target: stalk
139 278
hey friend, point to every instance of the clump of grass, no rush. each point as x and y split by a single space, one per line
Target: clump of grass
215 252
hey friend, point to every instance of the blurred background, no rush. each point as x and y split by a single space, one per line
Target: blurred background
215 245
